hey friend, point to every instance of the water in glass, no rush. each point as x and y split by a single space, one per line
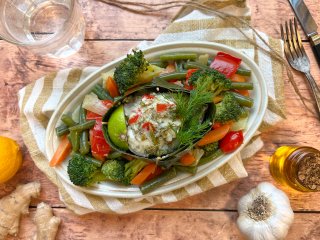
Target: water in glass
54 27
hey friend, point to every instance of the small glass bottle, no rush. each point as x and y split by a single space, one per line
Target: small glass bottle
296 167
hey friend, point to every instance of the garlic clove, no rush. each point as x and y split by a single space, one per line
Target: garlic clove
265 213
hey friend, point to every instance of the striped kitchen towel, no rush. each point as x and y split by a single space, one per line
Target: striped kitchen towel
38 100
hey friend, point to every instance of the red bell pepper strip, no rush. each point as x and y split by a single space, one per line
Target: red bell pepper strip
187 86
94 116
225 64
99 147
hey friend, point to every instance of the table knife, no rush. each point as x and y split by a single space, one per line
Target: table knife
308 25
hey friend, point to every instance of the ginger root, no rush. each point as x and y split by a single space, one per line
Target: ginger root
15 204
47 224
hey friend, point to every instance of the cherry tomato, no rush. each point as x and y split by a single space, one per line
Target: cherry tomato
231 141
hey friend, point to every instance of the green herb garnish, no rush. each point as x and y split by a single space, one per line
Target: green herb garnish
190 111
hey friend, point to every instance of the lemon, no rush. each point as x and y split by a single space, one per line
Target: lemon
117 128
10 158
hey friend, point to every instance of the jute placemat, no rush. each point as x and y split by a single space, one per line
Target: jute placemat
38 100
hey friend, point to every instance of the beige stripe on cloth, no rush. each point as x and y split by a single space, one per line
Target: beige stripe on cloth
38 101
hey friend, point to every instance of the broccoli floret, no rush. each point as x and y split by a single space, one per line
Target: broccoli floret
114 170
228 110
132 168
210 148
219 82
127 73
84 171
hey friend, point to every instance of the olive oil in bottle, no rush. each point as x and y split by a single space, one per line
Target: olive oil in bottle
296 167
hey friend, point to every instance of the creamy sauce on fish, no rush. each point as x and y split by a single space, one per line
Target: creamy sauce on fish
152 124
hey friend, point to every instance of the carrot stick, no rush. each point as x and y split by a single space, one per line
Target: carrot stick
238 78
187 159
112 87
63 150
214 135
144 174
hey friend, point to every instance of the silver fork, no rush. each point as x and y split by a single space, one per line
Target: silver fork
297 56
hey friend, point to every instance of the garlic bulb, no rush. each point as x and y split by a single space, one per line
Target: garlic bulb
265 213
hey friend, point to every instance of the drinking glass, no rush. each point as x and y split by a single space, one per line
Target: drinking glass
52 27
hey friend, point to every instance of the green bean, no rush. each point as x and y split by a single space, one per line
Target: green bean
178 56
158 181
210 158
179 66
242 85
172 76
84 143
188 169
242 100
62 130
84 136
244 72
114 155
244 113
74 138
82 115
67 120
83 126
192 65
159 64
101 92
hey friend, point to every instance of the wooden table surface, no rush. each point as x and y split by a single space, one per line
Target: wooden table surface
211 215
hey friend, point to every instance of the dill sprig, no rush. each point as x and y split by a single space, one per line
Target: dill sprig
190 110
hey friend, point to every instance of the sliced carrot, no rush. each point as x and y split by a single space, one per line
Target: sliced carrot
243 92
156 173
144 174
187 159
169 69
214 135
238 78
63 150
217 99
112 87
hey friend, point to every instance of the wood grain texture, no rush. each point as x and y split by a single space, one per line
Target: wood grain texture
107 22
160 225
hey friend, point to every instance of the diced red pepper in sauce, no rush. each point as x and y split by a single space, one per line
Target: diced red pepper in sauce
134 119
148 126
148 96
161 107
225 64
99 147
